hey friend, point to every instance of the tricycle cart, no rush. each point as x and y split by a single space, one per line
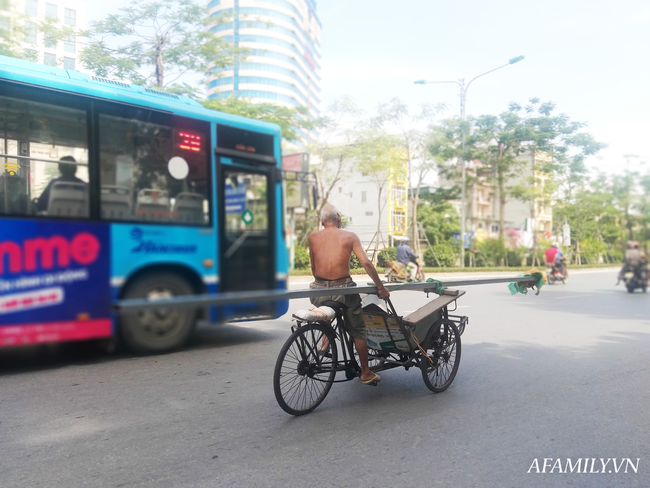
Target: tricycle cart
320 348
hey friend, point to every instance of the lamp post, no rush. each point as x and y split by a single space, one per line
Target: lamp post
463 99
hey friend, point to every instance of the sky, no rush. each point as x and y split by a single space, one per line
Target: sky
590 57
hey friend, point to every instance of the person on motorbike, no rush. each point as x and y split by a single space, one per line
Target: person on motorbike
407 257
555 258
635 260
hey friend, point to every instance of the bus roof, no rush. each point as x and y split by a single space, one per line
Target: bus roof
26 72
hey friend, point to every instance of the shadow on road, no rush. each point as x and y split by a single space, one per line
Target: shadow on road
52 356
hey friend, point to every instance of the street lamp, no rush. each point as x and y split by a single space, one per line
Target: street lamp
463 96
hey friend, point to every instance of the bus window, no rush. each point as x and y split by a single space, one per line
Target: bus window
151 172
44 161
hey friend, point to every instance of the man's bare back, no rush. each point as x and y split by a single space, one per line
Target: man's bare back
330 251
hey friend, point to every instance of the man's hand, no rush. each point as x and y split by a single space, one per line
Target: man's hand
383 292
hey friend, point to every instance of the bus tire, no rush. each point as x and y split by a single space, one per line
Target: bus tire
162 329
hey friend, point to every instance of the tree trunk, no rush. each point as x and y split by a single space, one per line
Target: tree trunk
160 67
502 209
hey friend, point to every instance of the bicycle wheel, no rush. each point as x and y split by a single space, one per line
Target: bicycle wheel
444 353
304 375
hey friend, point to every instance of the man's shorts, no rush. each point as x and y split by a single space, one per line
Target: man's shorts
353 318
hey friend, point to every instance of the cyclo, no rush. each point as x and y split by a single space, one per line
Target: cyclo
320 347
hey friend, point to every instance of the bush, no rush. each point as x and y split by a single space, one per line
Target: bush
445 252
490 252
389 253
301 258
354 262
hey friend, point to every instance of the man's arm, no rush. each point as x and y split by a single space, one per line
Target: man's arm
367 265
412 256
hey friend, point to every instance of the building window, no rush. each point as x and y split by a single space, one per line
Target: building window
31 8
368 214
495 227
50 41
399 222
340 189
363 197
68 63
30 32
68 44
50 11
49 59
70 17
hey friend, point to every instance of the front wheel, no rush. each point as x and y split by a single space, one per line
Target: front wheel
305 369
161 329
440 367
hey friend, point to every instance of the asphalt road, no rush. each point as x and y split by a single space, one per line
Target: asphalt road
561 375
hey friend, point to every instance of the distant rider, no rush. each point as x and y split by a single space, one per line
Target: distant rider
634 259
555 257
407 257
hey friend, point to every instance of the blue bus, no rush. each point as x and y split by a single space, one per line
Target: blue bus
111 191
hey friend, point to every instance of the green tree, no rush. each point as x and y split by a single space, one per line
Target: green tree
396 118
156 43
287 118
379 156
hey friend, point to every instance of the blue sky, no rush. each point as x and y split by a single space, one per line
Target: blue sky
592 58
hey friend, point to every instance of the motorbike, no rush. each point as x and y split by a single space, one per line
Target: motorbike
397 272
555 273
636 278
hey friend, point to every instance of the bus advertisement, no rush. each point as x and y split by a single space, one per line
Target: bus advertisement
112 191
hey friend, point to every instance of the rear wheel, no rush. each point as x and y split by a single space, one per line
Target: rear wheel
160 329
630 288
304 375
440 368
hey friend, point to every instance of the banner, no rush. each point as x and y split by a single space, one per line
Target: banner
54 282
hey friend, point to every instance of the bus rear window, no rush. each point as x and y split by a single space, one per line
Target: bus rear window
151 172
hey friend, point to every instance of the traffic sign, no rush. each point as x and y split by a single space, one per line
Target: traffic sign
247 217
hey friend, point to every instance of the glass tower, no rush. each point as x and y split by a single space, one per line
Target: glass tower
283 63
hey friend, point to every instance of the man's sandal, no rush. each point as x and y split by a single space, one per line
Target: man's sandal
372 381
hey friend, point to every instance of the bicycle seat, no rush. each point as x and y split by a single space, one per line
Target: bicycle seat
316 314
334 305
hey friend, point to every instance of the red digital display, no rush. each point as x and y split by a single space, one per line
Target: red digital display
189 142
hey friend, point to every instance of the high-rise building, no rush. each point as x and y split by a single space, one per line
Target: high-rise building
283 61
19 21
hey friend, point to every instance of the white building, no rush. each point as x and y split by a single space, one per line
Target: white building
21 18
283 64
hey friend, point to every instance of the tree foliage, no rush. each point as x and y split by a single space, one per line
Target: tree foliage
156 43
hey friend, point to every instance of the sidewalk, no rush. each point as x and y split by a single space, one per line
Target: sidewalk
460 275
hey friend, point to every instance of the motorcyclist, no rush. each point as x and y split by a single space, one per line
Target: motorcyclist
407 257
555 258
635 260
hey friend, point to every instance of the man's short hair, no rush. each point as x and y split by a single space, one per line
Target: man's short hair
329 213
65 166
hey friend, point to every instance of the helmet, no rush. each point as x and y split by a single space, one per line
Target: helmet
635 244
630 244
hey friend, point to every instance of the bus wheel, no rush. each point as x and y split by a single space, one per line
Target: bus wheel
161 329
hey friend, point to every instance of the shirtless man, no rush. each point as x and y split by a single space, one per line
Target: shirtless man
329 252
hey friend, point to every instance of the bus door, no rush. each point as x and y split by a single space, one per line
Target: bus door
247 259
246 172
